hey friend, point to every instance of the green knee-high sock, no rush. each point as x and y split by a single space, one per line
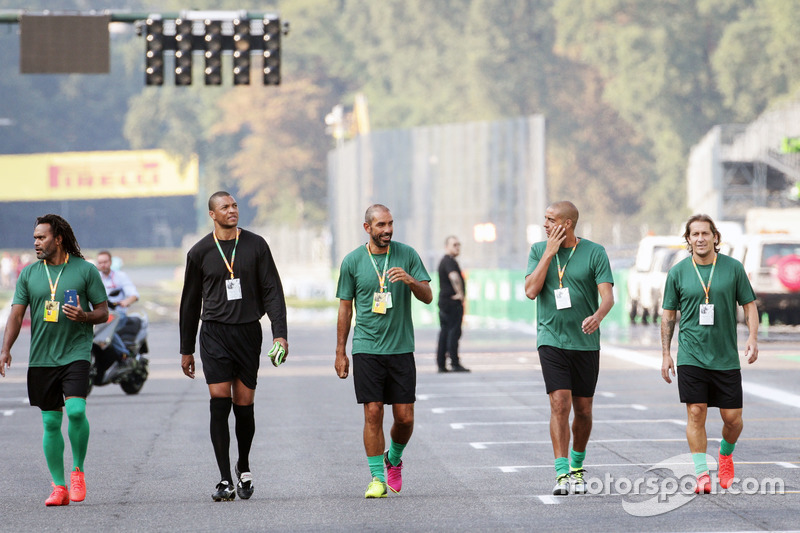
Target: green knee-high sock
78 430
53 444
576 459
395 452
376 467
562 466
725 447
700 464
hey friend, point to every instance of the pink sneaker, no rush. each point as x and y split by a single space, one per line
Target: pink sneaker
703 484
60 496
725 471
77 486
394 474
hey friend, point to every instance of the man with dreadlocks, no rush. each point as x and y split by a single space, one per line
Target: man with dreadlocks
61 345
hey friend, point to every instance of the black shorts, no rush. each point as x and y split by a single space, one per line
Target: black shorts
385 378
48 386
230 351
716 388
574 370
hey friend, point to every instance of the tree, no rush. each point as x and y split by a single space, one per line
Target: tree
756 61
654 58
280 162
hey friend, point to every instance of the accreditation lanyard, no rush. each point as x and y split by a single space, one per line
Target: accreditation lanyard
54 286
706 288
381 277
562 270
229 266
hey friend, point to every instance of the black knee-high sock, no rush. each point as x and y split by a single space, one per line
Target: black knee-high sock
220 435
245 429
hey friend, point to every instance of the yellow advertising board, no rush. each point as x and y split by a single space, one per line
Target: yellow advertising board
95 175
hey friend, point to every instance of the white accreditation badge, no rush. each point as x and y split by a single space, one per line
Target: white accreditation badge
233 288
388 300
562 298
706 314
379 303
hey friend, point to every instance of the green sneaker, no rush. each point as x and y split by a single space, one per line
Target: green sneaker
578 483
376 489
277 354
562 485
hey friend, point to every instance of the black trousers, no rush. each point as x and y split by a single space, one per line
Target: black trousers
451 314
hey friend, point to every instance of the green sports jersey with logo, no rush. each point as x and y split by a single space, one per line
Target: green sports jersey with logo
374 333
588 267
63 342
711 347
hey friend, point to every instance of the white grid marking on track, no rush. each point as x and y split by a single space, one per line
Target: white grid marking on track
442 410
767 393
486 444
462 425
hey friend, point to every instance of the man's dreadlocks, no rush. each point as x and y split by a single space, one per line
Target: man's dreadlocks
61 227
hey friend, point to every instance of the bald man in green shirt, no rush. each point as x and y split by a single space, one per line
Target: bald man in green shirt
566 275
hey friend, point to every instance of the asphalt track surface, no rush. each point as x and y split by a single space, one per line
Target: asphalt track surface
480 458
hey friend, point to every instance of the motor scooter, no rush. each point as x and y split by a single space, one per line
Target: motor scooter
105 367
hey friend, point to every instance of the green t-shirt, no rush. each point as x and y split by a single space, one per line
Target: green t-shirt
63 342
712 347
587 268
374 333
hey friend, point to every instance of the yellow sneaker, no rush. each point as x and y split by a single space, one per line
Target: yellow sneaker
376 489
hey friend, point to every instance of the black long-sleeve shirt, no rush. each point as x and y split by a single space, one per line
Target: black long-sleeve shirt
204 287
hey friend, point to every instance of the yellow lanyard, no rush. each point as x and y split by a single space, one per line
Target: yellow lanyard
562 270
54 286
229 266
706 289
381 277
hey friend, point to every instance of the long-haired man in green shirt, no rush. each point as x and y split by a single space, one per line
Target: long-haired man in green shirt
706 288
66 297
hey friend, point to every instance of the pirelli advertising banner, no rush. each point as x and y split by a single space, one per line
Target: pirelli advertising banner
95 175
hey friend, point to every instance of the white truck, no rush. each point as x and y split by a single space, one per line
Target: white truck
770 253
772 262
646 278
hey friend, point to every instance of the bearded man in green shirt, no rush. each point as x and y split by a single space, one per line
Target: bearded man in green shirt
379 280
706 289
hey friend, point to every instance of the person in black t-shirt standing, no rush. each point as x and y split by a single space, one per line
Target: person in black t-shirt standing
451 307
231 276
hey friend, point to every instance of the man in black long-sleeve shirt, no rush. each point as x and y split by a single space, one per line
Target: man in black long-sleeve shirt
231 276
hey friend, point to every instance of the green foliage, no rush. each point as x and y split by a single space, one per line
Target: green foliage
277 160
756 62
